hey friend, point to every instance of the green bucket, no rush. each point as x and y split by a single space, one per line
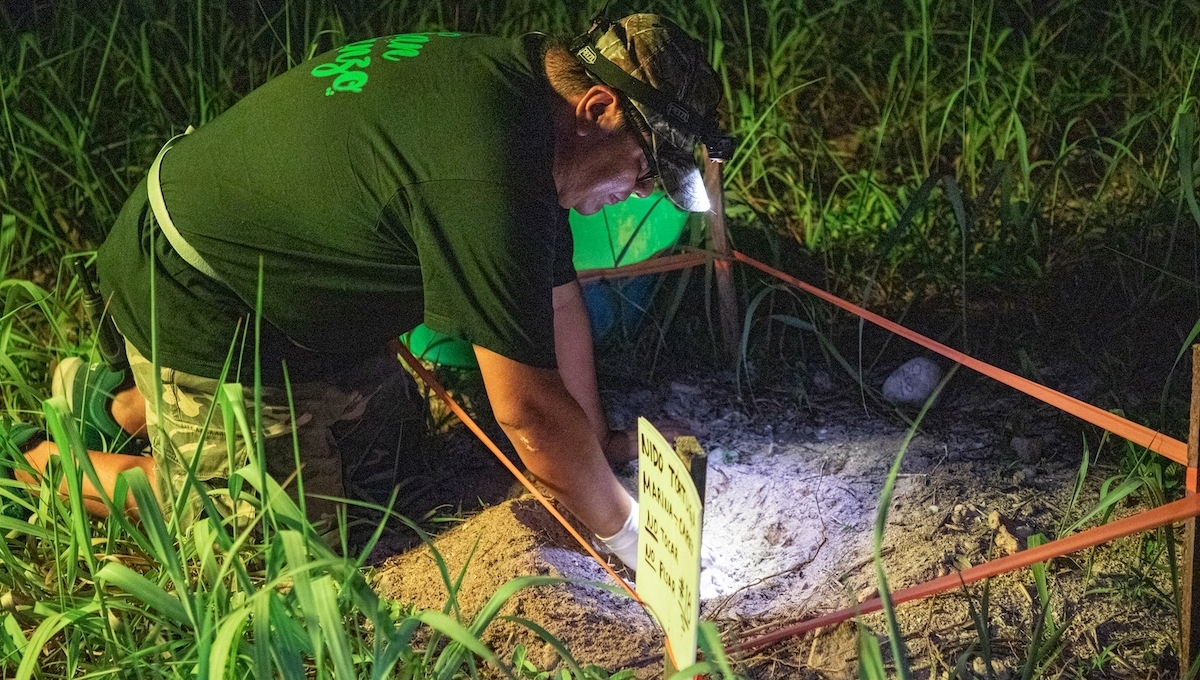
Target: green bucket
626 233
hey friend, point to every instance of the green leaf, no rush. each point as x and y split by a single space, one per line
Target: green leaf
1108 499
550 639
47 630
225 643
449 662
70 446
396 647
1185 133
870 656
144 591
163 542
332 629
710 643
1039 572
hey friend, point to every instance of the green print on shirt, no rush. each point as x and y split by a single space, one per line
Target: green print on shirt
357 55
345 79
410 44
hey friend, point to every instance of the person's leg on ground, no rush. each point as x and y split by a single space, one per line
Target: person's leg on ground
108 466
187 402
382 445
129 411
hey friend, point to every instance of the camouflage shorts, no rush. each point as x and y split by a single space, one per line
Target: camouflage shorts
358 433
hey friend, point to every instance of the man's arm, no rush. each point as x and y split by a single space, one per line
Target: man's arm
576 358
555 438
576 364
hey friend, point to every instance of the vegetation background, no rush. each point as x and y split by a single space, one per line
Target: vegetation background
965 156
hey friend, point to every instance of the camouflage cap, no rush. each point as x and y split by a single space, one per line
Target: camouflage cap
658 52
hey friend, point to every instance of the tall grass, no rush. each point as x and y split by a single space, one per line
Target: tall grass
917 148
1060 123
147 599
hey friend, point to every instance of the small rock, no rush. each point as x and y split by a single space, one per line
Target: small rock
958 513
999 668
993 520
934 509
1006 542
913 382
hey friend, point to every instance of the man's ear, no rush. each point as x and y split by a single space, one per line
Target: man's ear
598 108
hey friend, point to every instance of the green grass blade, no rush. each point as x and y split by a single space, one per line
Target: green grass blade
332 628
870 656
44 632
224 649
709 640
397 644
1185 132
1108 500
297 554
70 449
696 670
550 639
146 592
448 663
899 651
162 541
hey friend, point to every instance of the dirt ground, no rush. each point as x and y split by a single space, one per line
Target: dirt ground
792 492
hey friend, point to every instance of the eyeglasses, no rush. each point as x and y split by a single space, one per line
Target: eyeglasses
641 132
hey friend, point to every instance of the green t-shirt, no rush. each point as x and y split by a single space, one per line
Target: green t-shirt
392 181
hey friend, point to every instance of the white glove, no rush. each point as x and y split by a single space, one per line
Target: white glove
624 543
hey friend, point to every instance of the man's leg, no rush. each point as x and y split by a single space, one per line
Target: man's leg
382 447
108 466
129 411
188 464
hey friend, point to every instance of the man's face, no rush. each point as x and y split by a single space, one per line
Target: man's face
602 163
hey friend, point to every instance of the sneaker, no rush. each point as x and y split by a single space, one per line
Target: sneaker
89 390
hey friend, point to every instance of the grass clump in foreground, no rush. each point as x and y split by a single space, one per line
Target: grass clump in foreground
140 598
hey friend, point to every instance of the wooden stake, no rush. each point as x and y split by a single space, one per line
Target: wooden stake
1190 600
719 243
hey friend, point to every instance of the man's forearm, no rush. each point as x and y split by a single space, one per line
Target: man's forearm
576 356
555 440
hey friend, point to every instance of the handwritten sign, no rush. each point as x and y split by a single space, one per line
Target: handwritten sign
669 521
